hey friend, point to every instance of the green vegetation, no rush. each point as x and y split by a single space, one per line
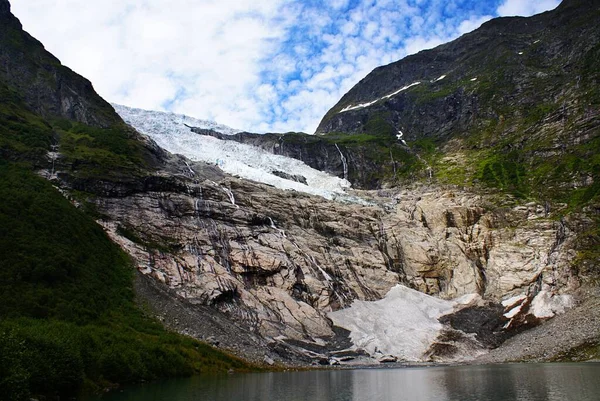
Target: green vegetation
100 152
24 136
587 351
69 322
505 172
105 153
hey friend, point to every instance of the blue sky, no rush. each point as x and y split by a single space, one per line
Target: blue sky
261 65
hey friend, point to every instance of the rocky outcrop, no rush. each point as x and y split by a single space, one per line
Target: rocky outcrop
277 262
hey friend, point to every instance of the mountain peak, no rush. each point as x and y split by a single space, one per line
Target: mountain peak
4 7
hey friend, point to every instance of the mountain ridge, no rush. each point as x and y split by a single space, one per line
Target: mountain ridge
257 271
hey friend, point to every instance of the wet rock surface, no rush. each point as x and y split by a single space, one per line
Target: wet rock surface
274 263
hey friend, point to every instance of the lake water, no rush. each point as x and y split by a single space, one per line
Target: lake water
528 382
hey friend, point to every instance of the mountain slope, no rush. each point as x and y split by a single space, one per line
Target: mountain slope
250 267
69 321
48 88
511 105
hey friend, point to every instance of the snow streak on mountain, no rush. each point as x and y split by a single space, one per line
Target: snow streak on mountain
173 133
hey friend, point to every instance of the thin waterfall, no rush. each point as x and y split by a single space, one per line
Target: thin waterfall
344 162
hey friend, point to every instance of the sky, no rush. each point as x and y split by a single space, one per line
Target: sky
254 65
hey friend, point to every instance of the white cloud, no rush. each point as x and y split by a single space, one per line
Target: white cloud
525 7
264 65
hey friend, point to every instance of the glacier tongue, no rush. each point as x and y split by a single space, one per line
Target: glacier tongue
171 132
404 323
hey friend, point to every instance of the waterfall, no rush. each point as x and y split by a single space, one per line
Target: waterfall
192 172
273 226
230 195
344 162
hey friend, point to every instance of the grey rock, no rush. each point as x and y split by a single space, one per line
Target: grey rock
388 359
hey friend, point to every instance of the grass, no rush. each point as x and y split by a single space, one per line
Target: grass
100 152
68 320
587 351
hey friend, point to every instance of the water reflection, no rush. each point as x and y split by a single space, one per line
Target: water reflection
531 382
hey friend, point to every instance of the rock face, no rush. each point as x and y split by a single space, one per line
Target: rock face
278 262
4 7
48 88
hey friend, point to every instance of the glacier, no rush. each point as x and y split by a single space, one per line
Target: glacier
404 323
172 132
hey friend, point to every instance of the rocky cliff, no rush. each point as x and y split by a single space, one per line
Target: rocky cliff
278 262
260 271
49 88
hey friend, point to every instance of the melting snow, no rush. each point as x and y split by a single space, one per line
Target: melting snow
474 79
514 300
172 132
363 105
520 53
404 323
440 78
546 305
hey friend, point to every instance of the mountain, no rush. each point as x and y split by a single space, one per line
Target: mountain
69 318
175 133
47 87
442 259
509 106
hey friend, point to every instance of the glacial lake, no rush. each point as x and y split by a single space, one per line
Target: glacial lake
528 382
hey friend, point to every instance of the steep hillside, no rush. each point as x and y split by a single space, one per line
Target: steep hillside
512 105
261 271
48 88
68 319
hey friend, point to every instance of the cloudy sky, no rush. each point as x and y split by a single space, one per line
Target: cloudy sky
257 65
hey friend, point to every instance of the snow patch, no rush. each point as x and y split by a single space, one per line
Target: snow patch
404 323
473 79
363 105
546 305
517 299
513 312
520 53
173 133
440 78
